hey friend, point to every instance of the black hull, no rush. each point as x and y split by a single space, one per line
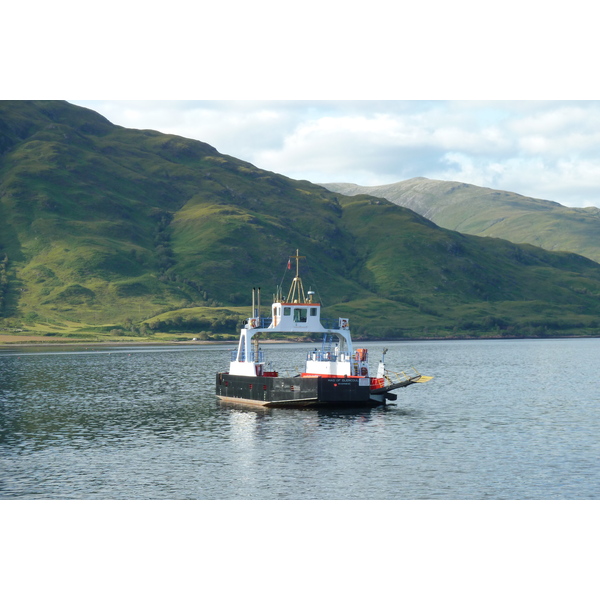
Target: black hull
295 392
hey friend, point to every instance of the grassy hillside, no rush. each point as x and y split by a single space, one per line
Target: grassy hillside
113 231
462 283
486 212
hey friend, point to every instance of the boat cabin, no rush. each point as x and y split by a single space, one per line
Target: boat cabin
298 312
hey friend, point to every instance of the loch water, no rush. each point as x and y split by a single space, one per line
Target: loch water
502 419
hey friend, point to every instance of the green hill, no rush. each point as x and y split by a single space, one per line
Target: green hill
492 213
105 229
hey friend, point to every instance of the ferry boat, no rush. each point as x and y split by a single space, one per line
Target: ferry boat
336 375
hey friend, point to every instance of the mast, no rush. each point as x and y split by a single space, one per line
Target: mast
296 294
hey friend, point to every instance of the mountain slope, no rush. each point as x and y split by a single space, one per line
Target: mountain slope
103 225
492 213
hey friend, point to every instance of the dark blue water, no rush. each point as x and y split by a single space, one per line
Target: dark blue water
502 419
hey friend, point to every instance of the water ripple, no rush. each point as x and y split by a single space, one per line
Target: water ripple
501 420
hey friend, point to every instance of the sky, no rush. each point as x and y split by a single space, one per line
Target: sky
497 96
543 149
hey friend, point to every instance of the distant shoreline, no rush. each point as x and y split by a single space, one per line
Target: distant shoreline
29 341
35 340
16 341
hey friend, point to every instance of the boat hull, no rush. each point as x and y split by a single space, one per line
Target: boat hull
295 392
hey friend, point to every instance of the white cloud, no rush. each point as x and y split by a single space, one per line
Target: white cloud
546 150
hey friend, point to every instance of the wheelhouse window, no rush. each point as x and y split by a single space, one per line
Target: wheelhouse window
313 312
300 315
287 311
